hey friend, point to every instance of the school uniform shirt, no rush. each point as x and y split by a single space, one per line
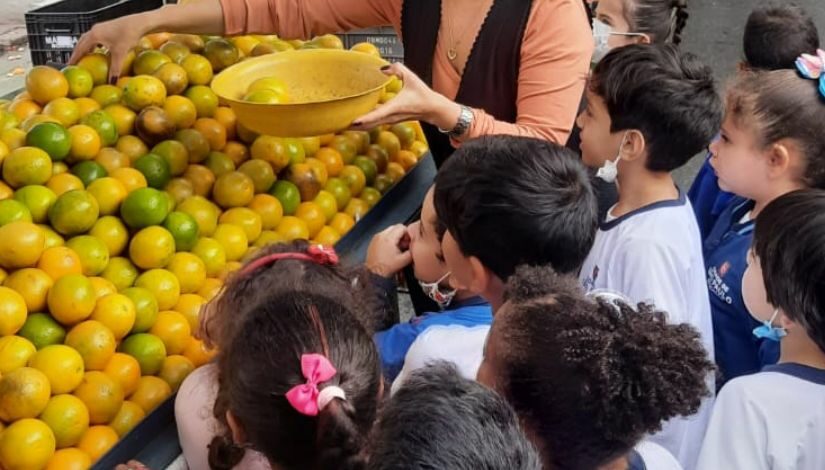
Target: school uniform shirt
738 351
654 255
461 345
394 343
707 197
651 456
772 420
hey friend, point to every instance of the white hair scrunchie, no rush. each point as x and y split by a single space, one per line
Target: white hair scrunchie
328 394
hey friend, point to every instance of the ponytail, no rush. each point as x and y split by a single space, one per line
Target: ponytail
224 454
339 440
680 17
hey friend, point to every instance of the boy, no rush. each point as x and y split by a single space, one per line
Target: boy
775 419
441 420
650 109
775 35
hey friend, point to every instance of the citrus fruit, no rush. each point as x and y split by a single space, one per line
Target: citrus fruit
211 288
357 208
27 165
175 154
226 117
132 147
155 169
63 183
366 48
180 189
234 189
370 196
67 417
86 142
213 131
269 209
146 308
51 137
59 261
247 219
197 352
368 167
332 159
12 210
21 244
15 352
102 287
174 78
147 349
341 151
86 105
129 415
111 159
97 441
32 284
26 444
288 195
219 163
120 272
190 271
261 174
382 184
340 190
72 299
41 330
181 110
69 459
111 231
327 236
173 329
151 392
88 172
117 313
5 191
163 285
189 305
147 62
142 91
184 230
45 84
201 178
38 199
59 168
74 212
32 121
275 151
312 215
95 343
97 65
106 95
63 110
101 394
93 254
175 369
269 237
24 393
233 239
62 365
152 247
144 207
105 126
205 100
293 228
198 69
203 211
125 370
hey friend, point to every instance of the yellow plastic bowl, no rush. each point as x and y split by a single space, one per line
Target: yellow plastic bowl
328 90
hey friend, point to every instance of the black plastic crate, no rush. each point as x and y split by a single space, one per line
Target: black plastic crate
383 37
55 29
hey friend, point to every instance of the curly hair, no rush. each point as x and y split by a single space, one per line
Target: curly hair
591 377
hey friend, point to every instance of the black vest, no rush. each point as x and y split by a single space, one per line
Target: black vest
490 79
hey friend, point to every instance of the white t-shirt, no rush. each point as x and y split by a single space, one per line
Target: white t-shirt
773 420
654 255
461 345
655 457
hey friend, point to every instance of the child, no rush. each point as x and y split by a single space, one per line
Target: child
589 378
775 35
649 110
313 306
771 143
507 201
464 314
775 419
620 23
440 420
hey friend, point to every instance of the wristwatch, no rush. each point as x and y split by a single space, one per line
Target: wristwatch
465 120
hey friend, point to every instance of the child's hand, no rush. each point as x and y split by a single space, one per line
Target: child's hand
389 252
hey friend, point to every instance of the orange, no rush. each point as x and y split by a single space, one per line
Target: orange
24 109
94 342
389 142
117 313
355 179
12 210
328 204
189 305
226 117
247 219
36 120
233 239
146 307
214 132
175 154
131 178
197 352
198 69
342 223
59 261
234 189
406 159
173 77
129 415
327 236
152 247
371 196
230 268
173 329
15 352
190 271
245 44
202 179
98 65
147 349
72 299
131 146
181 110
357 208
26 444
124 118
5 191
102 287
148 61
269 237
13 138
184 230
45 84
175 369
25 166
85 142
102 396
111 231
368 166
97 441
69 459
142 91
314 217
261 174
219 163
58 168
87 105
120 272
33 285
311 145
366 48
67 417
237 152
332 159
205 100
203 211
62 365
163 285
245 135
395 171
21 244
345 146
419 148
109 194
144 207
93 254
64 183
340 190
293 228
151 392
269 209
23 394
212 253
65 110
111 159
106 94
125 370
273 150
211 288
180 189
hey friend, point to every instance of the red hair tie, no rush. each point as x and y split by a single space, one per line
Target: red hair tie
315 253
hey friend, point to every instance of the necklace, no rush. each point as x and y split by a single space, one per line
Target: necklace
452 49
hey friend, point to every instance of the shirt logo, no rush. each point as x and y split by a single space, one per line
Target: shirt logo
724 269
590 282
716 285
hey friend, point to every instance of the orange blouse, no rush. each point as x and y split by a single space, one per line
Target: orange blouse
555 54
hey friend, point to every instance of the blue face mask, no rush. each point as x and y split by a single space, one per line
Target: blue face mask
770 332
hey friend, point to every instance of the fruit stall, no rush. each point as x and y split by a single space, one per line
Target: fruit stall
124 207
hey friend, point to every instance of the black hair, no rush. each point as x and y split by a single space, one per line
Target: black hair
262 362
778 105
776 34
668 96
589 378
440 420
789 240
661 20
515 200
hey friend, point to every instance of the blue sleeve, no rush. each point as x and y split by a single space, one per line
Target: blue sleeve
393 345
703 194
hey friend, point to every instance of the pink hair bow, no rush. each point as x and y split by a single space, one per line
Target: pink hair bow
316 369
812 67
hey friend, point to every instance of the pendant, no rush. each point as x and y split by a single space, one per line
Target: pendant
452 54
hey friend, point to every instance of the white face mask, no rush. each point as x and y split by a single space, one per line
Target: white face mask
601 33
610 170
438 295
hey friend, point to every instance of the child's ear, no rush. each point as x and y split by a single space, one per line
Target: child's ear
780 159
480 276
643 39
238 432
634 146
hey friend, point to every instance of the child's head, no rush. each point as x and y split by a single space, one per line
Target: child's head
507 201
652 106
589 378
773 135
776 34
786 267
624 22
299 382
439 419
426 235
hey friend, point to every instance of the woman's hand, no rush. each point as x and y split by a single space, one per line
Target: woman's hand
118 36
415 102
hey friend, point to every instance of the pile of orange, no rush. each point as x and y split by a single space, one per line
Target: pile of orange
122 210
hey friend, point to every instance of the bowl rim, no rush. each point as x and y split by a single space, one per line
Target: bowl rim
321 52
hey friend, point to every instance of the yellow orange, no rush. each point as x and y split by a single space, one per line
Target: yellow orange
97 441
102 396
45 84
150 393
197 352
117 313
68 419
70 458
26 444
129 415
33 285
95 343
12 311
23 394
130 178
72 299
125 370
59 261
163 285
190 271
63 183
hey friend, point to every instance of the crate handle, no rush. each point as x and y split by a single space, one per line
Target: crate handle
58 30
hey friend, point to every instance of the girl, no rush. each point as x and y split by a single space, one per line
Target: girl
771 143
620 23
590 378
287 327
